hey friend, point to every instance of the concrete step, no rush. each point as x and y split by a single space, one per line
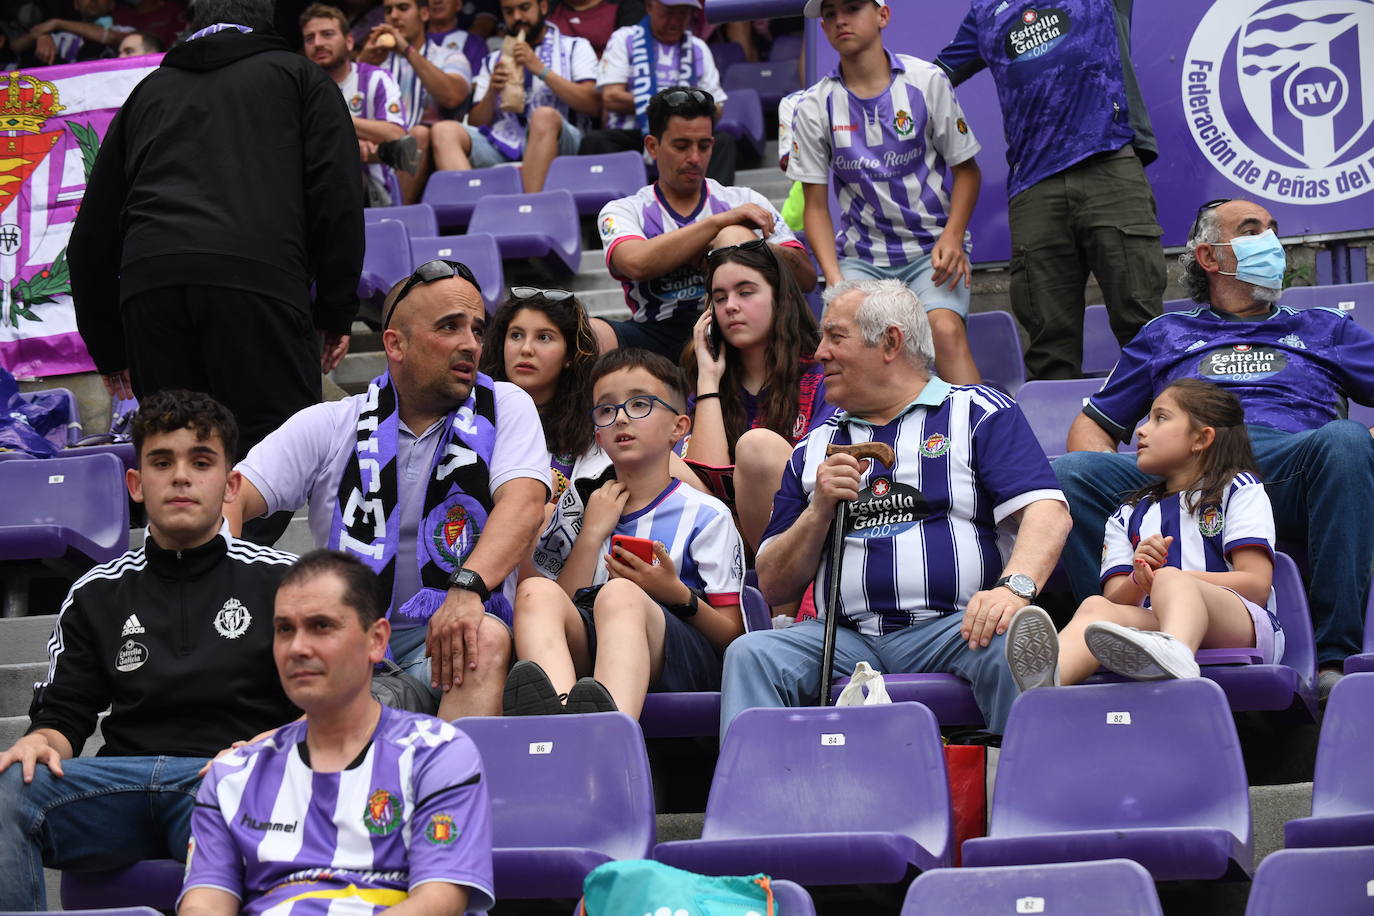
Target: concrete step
12 728
25 639
357 369
16 686
297 538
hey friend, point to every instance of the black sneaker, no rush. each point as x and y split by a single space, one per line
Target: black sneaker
529 692
401 154
587 695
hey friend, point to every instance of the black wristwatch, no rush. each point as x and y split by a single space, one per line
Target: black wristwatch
1019 584
468 580
683 611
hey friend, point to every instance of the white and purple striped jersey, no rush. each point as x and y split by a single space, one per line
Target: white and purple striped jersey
670 67
371 93
891 157
646 215
928 533
1203 538
418 104
286 840
700 535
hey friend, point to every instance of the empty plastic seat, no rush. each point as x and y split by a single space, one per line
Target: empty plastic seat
771 80
386 258
543 225
1343 784
948 697
124 451
594 181
1333 882
857 795
791 898
1356 299
155 883
996 347
568 793
727 54
418 218
1100 347
1051 406
454 195
74 509
1181 305
786 48
477 250
1165 784
1364 661
1115 887
742 119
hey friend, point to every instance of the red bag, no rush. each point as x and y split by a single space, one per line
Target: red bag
967 766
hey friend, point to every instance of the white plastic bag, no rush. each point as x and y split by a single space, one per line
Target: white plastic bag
854 692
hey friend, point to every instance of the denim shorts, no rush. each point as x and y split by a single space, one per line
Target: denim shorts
484 155
915 276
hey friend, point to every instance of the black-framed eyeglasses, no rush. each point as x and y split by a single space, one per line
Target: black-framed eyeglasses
1210 205
533 292
636 408
428 272
753 245
676 98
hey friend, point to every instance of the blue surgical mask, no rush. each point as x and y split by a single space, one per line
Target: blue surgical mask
1259 259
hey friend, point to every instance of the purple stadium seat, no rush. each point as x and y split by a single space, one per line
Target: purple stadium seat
789 899
1167 786
1343 784
454 195
63 404
1328 881
948 697
543 225
1365 660
743 119
1355 299
1051 406
155 883
115 911
73 508
547 840
868 805
996 347
786 48
477 250
1360 413
697 715
727 54
1179 305
771 80
595 181
418 218
386 258
1100 348
124 451
1114 887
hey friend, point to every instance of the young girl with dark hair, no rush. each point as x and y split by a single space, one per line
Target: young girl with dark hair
1187 563
758 390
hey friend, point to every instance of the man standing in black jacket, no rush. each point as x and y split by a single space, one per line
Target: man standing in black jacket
226 186
176 639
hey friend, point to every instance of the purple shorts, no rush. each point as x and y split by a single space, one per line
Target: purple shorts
1269 637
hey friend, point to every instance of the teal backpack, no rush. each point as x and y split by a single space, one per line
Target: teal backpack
640 886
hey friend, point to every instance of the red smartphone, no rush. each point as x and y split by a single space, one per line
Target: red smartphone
640 547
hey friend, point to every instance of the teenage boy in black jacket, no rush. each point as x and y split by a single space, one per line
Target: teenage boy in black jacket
226 186
175 638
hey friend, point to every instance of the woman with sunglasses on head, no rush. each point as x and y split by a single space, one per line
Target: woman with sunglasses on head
758 390
542 341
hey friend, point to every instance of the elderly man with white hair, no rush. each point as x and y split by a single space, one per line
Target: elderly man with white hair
930 574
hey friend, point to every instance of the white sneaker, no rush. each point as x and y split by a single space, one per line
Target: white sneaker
1142 655
1032 649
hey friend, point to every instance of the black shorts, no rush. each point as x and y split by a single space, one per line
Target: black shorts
666 338
690 663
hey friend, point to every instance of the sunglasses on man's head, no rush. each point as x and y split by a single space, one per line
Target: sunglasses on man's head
429 272
676 98
1210 205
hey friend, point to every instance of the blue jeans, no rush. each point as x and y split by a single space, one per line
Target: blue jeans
782 667
106 812
1321 485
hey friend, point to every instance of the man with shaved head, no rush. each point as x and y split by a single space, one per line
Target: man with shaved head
435 477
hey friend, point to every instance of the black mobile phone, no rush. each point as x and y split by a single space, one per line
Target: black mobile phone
713 338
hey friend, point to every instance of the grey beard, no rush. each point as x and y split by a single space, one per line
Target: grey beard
1265 294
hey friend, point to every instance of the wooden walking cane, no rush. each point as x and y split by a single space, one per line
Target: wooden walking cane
877 451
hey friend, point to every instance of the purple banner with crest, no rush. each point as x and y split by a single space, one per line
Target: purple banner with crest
1271 100
52 120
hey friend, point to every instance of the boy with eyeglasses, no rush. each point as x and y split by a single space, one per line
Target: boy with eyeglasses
890 130
615 626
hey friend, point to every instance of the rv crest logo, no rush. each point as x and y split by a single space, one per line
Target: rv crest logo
903 123
382 814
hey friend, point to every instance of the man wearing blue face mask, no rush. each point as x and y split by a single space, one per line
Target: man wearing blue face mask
1292 370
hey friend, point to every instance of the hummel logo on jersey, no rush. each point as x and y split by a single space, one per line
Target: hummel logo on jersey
1194 345
131 626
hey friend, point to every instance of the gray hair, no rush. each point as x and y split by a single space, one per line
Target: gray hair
256 14
1194 279
888 304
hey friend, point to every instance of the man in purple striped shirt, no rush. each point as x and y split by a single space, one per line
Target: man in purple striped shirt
354 809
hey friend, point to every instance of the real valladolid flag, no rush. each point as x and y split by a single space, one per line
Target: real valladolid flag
52 120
